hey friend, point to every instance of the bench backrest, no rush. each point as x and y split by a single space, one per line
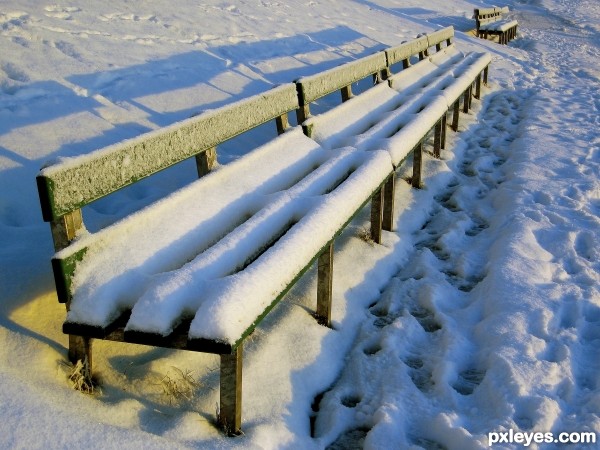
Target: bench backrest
66 187
316 86
420 46
489 15
76 182
341 78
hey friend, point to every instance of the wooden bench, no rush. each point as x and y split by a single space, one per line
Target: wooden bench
492 22
201 268
177 273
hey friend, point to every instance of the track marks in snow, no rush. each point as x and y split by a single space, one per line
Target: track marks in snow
426 317
61 12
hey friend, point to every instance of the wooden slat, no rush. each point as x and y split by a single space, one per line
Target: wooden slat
72 184
405 50
439 36
319 85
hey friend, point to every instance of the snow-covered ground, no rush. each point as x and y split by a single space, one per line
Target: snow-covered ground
479 314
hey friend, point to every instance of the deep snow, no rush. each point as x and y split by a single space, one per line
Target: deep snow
480 313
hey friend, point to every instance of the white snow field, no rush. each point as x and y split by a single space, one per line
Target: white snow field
479 314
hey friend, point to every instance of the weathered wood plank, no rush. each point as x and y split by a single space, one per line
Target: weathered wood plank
403 52
437 37
313 87
69 185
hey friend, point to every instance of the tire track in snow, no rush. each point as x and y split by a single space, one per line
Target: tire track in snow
416 341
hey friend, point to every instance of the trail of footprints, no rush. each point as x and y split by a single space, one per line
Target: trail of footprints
480 170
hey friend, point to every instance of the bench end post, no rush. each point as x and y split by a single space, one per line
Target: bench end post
230 408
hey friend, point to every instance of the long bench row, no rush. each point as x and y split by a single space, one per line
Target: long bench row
201 268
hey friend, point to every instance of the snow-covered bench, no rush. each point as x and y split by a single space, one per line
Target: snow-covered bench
201 268
398 115
493 21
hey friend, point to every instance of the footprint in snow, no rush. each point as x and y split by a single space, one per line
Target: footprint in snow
420 375
350 440
425 318
468 380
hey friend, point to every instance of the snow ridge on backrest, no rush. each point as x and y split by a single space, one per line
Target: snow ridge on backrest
77 181
319 85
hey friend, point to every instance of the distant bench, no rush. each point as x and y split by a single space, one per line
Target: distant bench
493 21
201 268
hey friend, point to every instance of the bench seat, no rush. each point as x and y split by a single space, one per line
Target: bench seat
499 26
396 115
199 251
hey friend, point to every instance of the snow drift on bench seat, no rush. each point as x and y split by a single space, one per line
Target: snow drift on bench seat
226 301
182 253
502 26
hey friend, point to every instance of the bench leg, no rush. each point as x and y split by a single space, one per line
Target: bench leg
388 202
417 162
466 96
485 75
377 216
346 93
471 96
80 349
302 113
230 408
437 139
456 114
444 125
282 123
325 286
205 161
478 87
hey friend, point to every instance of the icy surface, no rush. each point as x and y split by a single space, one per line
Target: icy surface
490 314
